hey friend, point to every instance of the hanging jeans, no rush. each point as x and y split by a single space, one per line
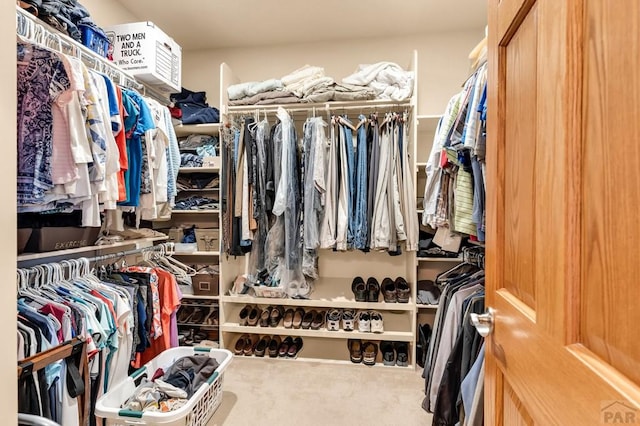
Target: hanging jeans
360 226
373 151
345 191
329 220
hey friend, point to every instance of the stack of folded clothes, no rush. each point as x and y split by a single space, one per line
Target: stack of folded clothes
196 202
387 79
306 84
189 107
197 181
426 248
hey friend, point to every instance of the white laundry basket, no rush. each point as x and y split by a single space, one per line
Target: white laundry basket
196 412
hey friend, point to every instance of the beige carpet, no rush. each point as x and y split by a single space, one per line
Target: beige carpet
273 392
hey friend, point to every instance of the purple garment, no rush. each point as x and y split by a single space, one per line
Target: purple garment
174 322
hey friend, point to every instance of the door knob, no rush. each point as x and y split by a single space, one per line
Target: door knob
483 322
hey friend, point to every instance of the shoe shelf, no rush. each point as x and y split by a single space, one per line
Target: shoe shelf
320 350
199 169
188 324
400 336
327 293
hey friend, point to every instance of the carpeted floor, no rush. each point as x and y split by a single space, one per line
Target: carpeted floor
275 392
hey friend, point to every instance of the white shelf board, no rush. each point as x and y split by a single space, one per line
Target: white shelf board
183 130
301 358
199 169
421 306
327 293
195 212
401 336
440 259
199 190
199 297
137 243
320 106
197 253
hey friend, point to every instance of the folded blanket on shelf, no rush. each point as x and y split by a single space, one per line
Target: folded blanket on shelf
252 88
267 98
389 80
340 92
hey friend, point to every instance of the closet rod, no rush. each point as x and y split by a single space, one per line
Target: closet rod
43 359
167 248
37 31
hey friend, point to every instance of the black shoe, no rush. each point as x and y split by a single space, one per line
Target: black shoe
388 353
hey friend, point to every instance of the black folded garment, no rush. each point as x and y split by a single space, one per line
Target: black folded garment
194 107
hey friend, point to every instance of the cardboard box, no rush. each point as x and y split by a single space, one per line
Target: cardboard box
145 51
61 238
205 284
213 162
208 239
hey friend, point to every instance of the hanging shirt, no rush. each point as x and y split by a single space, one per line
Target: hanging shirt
41 79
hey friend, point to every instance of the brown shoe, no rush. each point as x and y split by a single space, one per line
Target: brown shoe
370 353
308 318
318 320
297 318
240 344
244 315
355 350
250 347
276 316
288 318
254 316
264 317
403 292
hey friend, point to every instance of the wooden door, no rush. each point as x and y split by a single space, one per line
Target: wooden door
564 213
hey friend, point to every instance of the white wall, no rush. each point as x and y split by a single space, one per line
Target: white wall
109 12
442 58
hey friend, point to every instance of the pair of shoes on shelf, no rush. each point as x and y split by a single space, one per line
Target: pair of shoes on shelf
250 315
362 352
193 337
290 347
298 318
370 322
365 292
396 291
335 316
271 316
395 353
252 344
196 315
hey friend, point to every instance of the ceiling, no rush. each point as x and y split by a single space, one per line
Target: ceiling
211 24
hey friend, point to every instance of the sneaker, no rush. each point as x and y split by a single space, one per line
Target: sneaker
376 322
359 289
402 351
333 319
373 290
348 319
364 322
355 350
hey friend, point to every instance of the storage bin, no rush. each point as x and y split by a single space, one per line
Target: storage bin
196 412
208 239
182 248
206 283
94 40
147 53
23 238
61 238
